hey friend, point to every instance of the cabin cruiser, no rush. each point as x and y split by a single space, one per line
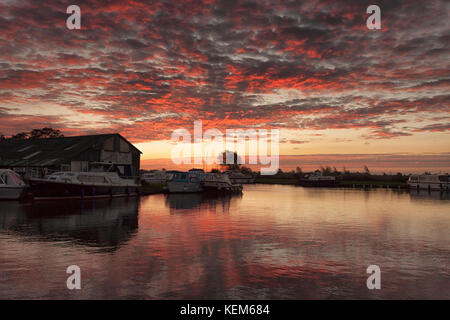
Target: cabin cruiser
196 180
186 182
157 176
429 182
237 177
12 187
218 182
80 185
316 179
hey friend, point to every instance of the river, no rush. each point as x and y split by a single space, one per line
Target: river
271 242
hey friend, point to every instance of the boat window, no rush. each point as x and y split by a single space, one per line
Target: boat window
444 178
183 177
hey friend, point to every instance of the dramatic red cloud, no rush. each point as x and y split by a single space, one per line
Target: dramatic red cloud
146 68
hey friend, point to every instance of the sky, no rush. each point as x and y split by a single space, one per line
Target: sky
339 93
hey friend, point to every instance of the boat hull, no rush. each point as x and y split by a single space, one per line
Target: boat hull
46 190
184 187
319 183
429 186
11 193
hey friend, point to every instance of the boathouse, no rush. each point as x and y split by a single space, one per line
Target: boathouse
38 157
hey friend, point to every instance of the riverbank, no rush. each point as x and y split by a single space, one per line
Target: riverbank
343 183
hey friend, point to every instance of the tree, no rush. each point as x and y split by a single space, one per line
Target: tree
235 165
325 170
20 136
246 170
46 132
366 169
2 137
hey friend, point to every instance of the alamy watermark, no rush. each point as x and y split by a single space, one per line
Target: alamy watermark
73 22
74 280
374 280
374 20
207 147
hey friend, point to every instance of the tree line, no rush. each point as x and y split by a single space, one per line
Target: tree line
43 133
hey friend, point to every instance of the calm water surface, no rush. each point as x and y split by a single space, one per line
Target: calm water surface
273 242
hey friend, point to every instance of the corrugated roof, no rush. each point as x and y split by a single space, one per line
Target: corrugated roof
51 151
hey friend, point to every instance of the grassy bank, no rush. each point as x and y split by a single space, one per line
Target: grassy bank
343 183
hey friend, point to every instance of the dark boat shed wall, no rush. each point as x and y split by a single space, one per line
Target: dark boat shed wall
38 156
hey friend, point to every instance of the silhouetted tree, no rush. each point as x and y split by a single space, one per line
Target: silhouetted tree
246 170
20 136
36 134
325 170
45 133
235 165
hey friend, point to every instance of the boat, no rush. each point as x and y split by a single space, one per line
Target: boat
429 182
186 182
218 182
157 176
237 177
196 180
93 184
12 187
317 180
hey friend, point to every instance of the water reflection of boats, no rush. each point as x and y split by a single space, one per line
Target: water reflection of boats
432 195
197 200
97 223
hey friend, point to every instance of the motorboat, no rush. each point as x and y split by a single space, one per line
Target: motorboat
186 182
237 177
429 182
12 187
317 180
196 180
218 182
157 176
80 185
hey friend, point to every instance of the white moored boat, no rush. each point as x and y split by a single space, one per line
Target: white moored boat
196 180
157 176
429 182
218 182
80 185
12 186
